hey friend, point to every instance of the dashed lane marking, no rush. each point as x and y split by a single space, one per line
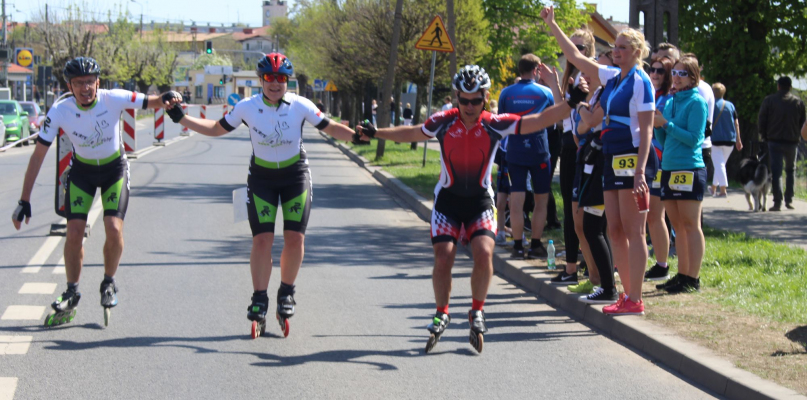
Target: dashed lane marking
37 288
15 344
42 255
23 312
7 388
59 268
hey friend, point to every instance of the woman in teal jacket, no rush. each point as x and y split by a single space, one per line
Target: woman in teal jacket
680 129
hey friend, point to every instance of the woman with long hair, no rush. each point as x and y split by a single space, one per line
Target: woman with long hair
659 235
725 138
681 130
628 103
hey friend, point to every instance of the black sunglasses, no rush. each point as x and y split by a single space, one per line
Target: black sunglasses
476 101
652 70
580 47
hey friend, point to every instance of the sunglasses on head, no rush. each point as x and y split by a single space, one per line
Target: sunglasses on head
475 101
272 77
659 71
580 47
680 72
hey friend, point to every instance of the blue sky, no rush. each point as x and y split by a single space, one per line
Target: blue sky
204 11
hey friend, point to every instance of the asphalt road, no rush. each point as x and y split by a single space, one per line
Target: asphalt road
364 298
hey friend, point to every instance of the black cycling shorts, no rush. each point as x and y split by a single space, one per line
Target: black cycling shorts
452 213
83 180
292 192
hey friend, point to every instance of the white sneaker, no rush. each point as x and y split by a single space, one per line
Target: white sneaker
501 238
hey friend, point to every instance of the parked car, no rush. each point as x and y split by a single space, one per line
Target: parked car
16 121
35 115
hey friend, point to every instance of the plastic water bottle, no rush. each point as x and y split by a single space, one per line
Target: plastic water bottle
550 255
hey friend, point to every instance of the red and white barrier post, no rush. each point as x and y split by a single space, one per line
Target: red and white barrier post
185 131
203 112
159 127
225 111
128 126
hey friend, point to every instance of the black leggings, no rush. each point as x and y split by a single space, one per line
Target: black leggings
567 169
595 228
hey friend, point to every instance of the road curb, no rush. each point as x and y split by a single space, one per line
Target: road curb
695 362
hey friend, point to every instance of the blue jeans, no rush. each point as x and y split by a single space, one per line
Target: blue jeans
783 155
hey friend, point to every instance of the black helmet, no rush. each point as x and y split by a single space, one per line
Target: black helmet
275 63
471 79
81 66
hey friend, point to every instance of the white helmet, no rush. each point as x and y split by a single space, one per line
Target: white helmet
471 79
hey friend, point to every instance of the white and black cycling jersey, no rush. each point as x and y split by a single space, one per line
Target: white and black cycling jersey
276 131
94 130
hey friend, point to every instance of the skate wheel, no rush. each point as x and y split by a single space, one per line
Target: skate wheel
49 320
430 344
477 340
107 315
256 330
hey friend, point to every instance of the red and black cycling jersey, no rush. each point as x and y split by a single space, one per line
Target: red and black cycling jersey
466 153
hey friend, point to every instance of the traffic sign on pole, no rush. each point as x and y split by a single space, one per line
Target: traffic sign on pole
435 38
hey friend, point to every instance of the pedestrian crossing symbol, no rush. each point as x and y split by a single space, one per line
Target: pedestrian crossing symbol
435 38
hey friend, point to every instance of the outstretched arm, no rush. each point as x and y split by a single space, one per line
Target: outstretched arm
399 134
165 100
339 131
556 113
206 127
583 63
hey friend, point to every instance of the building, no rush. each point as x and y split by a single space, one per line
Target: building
274 9
255 42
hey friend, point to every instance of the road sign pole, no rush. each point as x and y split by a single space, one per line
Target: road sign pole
429 110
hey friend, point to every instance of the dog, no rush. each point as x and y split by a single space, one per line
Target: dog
756 178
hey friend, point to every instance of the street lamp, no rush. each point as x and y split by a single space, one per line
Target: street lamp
141 16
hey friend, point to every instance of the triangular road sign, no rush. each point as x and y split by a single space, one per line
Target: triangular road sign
435 38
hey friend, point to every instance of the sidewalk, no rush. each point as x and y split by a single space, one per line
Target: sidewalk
698 364
731 213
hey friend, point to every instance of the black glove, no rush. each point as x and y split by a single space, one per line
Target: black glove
592 151
22 211
175 113
171 95
576 96
368 129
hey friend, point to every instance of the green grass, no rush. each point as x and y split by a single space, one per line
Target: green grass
406 164
758 276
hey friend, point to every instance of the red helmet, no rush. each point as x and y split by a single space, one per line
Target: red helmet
275 63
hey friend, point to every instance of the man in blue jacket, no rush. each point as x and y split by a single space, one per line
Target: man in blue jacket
528 154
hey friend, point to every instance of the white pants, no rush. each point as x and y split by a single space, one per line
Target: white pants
720 155
407 121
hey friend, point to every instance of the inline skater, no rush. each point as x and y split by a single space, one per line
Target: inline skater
279 180
469 137
90 118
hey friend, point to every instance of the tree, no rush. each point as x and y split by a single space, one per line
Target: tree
68 35
389 79
744 44
516 29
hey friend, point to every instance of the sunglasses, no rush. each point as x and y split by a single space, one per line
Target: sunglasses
680 72
271 78
580 47
659 71
476 101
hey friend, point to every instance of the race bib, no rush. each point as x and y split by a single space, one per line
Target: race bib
625 165
595 210
656 181
682 181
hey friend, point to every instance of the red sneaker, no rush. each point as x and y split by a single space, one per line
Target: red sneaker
627 307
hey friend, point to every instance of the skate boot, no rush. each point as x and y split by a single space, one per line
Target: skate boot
285 310
476 319
256 313
109 299
64 308
436 328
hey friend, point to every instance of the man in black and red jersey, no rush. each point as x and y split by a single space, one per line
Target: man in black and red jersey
469 138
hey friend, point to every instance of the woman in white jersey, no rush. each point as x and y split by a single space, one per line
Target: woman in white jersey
279 180
629 165
89 117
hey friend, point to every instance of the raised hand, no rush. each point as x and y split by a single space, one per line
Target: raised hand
548 14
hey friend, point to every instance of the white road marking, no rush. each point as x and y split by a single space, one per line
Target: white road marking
35 264
14 344
37 288
7 388
23 312
59 268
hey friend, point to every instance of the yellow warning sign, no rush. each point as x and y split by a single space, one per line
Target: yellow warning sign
24 57
435 38
330 87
